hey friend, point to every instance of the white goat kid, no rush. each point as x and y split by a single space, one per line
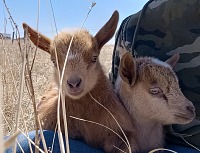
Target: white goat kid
150 92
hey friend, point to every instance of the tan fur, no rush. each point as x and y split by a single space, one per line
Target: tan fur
81 66
150 92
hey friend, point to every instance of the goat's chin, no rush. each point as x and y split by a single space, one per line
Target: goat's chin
76 95
182 119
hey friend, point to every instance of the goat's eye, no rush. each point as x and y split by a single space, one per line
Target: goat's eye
155 90
94 59
53 61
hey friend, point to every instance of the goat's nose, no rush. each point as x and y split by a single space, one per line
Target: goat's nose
74 82
191 109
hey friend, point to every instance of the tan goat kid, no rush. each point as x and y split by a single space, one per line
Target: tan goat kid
149 90
84 76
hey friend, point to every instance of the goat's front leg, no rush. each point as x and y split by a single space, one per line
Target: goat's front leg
115 145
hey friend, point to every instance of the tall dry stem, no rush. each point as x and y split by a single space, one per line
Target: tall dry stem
32 142
10 140
162 149
1 130
62 97
42 137
92 122
20 97
127 141
15 25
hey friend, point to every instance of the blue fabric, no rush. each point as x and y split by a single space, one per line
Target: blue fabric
75 145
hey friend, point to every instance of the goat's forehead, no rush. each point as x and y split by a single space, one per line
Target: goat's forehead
158 71
82 43
163 75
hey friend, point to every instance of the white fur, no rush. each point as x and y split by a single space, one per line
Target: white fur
71 56
161 63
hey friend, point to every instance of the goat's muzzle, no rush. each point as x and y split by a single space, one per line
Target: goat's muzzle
186 114
74 85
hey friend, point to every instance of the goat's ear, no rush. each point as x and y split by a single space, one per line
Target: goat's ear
127 69
37 38
107 31
173 60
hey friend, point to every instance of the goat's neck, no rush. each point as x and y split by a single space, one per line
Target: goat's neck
148 128
150 134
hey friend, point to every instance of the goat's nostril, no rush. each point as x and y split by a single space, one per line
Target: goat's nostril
78 82
191 109
70 84
74 83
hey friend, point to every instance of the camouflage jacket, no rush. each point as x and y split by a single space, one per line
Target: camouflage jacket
160 29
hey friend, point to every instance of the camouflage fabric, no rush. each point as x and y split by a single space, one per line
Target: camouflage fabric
167 27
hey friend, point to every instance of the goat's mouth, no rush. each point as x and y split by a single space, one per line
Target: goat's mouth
75 93
184 118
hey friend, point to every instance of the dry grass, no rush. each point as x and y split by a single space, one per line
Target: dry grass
10 71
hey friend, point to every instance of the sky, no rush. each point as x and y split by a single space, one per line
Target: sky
68 14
